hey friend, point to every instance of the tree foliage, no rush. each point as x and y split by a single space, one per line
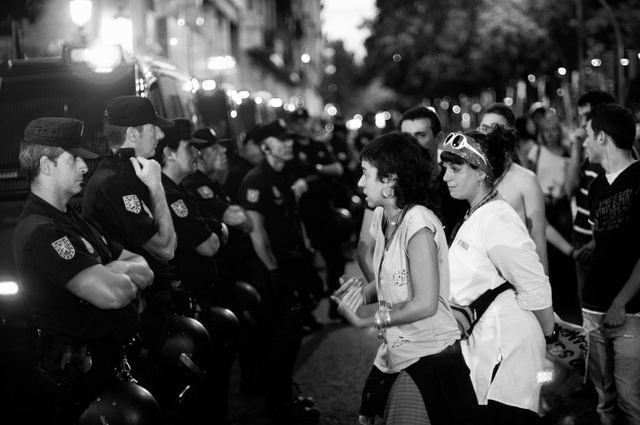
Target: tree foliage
430 48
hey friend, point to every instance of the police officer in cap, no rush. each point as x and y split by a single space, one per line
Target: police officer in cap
270 196
125 195
81 285
200 237
241 162
315 162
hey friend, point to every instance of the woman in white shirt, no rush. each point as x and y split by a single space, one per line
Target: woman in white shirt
505 351
407 301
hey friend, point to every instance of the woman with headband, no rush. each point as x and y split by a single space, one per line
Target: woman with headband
491 246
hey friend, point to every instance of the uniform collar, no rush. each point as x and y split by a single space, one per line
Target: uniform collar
42 207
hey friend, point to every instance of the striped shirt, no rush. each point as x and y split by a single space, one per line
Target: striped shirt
582 232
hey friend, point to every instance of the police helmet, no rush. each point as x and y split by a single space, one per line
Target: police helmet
187 342
123 403
225 326
248 297
342 224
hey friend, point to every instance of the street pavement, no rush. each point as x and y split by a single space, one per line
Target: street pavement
334 362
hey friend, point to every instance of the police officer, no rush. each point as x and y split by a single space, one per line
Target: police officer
241 279
199 239
315 162
211 197
269 195
241 162
126 197
81 285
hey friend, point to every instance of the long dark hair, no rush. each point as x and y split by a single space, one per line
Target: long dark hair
401 155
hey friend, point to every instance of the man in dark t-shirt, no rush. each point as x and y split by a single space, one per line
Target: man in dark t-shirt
610 297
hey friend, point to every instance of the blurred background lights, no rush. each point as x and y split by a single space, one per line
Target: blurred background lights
624 62
562 71
397 58
596 62
276 102
173 41
456 109
332 110
531 78
305 58
208 85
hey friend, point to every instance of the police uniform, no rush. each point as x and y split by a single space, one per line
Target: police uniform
196 272
316 208
238 169
117 199
80 347
207 193
269 192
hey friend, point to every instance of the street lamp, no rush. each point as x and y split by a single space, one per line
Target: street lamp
80 15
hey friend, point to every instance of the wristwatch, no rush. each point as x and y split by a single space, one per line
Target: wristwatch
553 338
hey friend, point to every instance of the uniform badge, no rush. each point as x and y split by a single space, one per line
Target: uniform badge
253 195
64 248
147 210
88 245
132 203
205 192
180 208
276 192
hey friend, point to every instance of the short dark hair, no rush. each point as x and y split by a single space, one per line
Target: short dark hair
503 110
595 98
116 134
422 112
29 157
615 121
402 155
497 146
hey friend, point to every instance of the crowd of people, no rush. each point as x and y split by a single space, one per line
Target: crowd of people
180 261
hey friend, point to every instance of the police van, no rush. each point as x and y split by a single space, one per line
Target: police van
78 85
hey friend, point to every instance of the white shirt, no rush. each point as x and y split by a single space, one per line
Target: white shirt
493 246
406 344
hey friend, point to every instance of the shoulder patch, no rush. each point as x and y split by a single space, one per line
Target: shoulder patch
205 192
253 195
132 203
64 248
180 208
88 245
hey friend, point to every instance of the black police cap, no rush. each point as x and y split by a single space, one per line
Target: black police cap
65 133
277 129
133 111
181 130
209 136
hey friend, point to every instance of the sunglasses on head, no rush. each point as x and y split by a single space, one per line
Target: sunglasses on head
460 141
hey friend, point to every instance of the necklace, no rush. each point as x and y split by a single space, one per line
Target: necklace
395 220
484 201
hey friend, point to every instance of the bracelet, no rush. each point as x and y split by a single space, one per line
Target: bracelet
376 320
553 338
387 319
